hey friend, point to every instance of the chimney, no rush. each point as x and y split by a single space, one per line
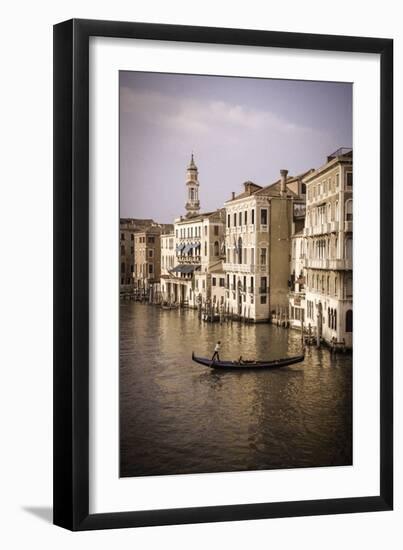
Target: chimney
233 195
283 184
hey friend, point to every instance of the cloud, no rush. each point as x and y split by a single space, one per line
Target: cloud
195 117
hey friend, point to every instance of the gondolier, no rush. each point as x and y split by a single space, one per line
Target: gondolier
216 351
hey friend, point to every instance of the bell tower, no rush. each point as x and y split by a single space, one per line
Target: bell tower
193 204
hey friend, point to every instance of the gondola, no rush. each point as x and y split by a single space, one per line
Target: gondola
248 364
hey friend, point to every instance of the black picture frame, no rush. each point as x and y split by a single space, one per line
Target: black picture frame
71 274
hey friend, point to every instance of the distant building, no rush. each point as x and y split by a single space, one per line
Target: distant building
259 225
329 248
127 230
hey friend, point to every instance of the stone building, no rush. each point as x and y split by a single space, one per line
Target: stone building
199 248
259 225
147 260
329 248
128 228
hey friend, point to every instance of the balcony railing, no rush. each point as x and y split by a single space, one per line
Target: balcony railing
251 289
263 290
189 259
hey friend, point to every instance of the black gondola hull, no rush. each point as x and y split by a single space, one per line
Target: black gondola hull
248 365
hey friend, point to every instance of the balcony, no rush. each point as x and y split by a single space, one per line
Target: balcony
263 290
245 268
322 229
251 289
322 263
348 226
264 227
239 268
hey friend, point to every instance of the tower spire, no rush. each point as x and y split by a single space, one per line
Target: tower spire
192 162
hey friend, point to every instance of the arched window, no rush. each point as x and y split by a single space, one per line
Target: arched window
239 250
216 249
328 316
205 248
336 286
328 285
349 320
349 248
335 319
122 267
349 286
349 210
336 211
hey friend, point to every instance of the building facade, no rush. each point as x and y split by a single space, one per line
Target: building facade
259 225
329 249
199 248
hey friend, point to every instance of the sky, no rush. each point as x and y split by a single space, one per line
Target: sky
239 129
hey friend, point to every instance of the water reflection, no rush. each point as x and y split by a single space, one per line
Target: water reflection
179 417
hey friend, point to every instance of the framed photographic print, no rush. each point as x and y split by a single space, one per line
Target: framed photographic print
222 210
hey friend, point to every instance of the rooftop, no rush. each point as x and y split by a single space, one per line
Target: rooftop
272 190
340 152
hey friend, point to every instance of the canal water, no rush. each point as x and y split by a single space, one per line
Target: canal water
179 417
